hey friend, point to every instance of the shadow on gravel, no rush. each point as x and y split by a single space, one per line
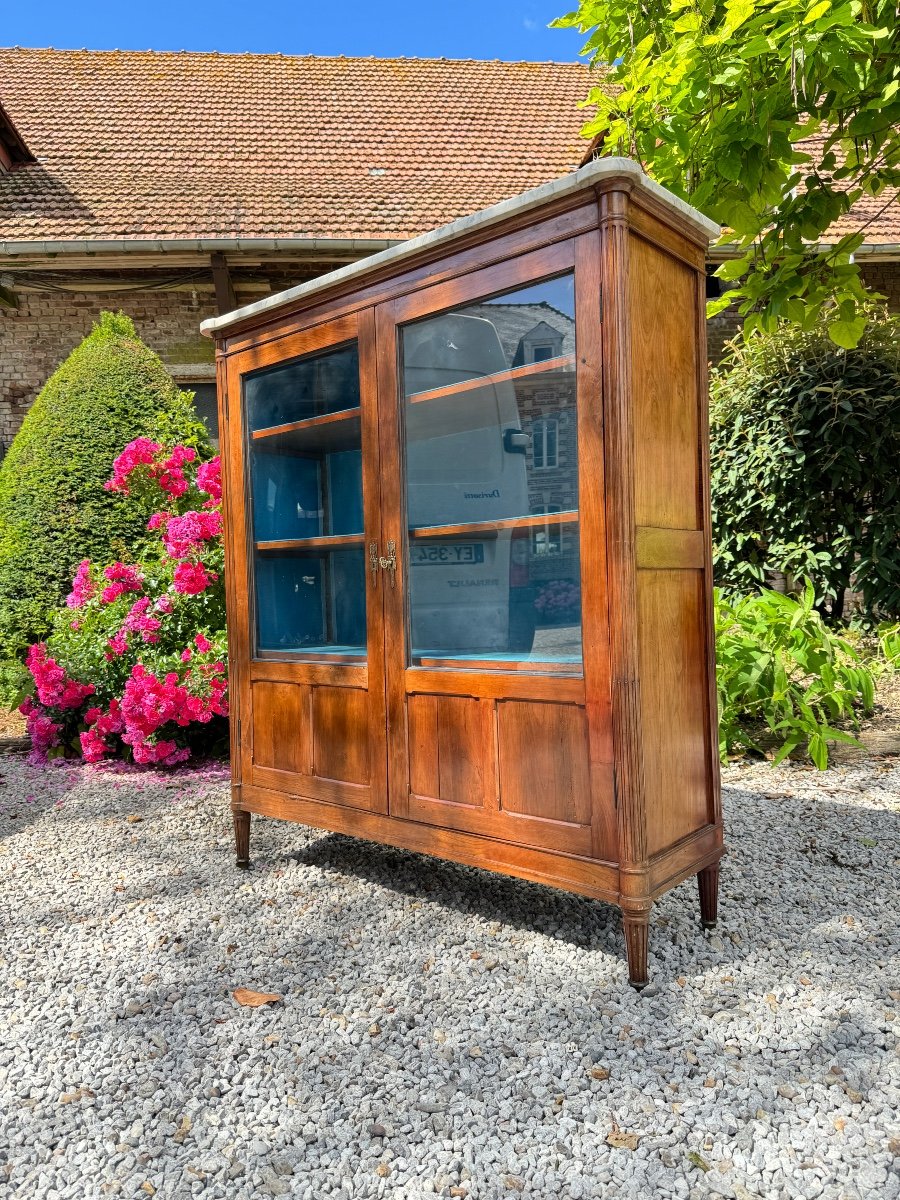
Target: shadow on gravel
575 920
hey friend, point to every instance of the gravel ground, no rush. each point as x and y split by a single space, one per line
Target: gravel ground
443 1031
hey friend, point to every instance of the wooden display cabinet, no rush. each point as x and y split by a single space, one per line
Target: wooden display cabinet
467 527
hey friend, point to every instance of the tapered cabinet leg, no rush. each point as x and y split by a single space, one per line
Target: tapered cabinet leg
708 886
637 927
241 837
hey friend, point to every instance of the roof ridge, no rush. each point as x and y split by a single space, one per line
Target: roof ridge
274 54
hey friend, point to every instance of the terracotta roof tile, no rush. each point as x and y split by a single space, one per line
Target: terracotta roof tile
151 145
162 145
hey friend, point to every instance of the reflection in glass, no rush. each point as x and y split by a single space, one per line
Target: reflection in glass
492 480
305 388
312 601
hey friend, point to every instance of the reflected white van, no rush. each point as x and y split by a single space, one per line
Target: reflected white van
465 462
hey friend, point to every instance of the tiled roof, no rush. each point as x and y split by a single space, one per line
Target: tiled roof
149 145
879 216
154 145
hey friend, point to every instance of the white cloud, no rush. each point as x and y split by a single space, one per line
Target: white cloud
530 24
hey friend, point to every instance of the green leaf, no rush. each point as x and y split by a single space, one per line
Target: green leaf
847 333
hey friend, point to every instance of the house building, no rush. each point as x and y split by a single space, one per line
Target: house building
174 186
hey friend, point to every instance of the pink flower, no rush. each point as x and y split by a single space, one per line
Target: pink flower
186 654
164 605
192 578
122 579
209 478
93 746
92 715
53 689
137 621
43 732
184 535
82 587
118 643
140 452
202 643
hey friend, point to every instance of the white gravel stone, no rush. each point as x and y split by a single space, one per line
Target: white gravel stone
440 1025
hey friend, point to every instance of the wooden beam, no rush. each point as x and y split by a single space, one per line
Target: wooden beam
225 298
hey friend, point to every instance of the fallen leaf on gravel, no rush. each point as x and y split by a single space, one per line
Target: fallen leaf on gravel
698 1160
250 999
893 1146
458 1191
182 1132
133 819
599 1072
619 1139
78 1094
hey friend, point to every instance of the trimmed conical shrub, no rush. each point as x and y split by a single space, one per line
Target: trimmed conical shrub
54 510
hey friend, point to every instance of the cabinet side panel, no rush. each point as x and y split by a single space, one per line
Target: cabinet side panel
674 700
662 306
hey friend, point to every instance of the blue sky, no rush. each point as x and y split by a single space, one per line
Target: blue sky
506 29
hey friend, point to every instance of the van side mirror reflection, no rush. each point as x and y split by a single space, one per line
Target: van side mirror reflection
515 441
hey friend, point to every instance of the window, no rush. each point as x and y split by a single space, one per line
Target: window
546 539
544 443
542 353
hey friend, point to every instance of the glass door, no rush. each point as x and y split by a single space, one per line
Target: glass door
487 700
310 479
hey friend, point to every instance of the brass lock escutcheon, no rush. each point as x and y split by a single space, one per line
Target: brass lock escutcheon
373 561
390 563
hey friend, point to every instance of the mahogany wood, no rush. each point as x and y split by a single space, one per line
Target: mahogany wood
599 776
708 886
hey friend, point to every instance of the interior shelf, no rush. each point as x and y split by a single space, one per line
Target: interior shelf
332 431
527 522
335 541
549 366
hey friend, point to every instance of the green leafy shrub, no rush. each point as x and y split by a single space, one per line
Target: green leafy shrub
783 673
54 510
804 456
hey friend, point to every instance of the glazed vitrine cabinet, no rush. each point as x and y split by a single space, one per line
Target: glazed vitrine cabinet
468 547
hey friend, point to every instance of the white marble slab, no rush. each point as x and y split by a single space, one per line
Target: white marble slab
586 176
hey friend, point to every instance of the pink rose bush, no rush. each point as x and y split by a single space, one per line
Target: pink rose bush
136 664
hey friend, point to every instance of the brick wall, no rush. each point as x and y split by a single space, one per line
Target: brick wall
36 337
47 326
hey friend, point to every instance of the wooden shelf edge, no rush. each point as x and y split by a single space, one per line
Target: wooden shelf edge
344 414
548 366
325 542
533 520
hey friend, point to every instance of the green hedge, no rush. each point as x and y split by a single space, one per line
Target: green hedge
54 510
805 463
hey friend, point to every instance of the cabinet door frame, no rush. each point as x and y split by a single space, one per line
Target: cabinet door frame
270 668
597 837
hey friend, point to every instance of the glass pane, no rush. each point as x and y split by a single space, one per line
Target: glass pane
307 387
492 481
305 464
312 602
